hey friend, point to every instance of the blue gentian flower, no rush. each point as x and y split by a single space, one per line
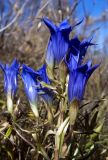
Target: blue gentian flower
58 42
10 81
78 79
33 87
29 78
76 52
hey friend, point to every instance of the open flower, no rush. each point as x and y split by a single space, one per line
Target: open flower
76 52
58 42
78 79
10 82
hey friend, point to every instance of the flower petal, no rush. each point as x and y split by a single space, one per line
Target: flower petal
92 69
52 27
64 26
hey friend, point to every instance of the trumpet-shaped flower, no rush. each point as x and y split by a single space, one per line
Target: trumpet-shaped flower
33 86
78 79
58 42
10 82
77 51
29 78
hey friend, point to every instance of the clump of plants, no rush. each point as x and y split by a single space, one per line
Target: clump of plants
58 127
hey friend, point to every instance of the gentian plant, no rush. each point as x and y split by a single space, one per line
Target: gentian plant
55 99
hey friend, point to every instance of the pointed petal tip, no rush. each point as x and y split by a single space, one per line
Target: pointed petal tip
2 66
78 23
15 64
92 69
65 25
49 24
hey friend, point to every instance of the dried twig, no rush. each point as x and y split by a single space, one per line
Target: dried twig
15 18
24 139
41 9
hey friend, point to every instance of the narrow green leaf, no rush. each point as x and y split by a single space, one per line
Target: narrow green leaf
62 126
62 138
59 138
10 155
8 132
43 152
48 86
